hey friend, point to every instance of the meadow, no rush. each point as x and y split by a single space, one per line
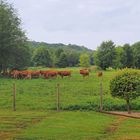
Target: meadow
67 125
76 93
36 117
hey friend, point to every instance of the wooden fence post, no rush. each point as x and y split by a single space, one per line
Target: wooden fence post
14 97
100 75
101 95
58 97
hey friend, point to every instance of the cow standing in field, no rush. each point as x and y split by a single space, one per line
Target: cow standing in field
84 72
14 74
50 74
25 74
35 74
64 73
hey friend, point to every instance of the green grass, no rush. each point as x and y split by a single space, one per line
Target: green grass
36 119
72 125
12 123
76 93
128 129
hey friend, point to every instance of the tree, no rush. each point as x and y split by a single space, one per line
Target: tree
21 59
84 60
62 61
127 56
118 60
126 85
57 56
92 59
136 54
72 59
12 39
41 57
105 54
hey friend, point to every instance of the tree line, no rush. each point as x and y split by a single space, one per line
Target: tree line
118 57
106 55
60 56
16 52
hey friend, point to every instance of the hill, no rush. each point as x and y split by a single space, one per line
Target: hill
69 47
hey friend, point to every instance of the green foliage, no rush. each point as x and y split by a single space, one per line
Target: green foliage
66 58
41 57
84 60
57 56
119 58
127 56
72 59
136 54
126 85
12 39
105 54
62 60
65 48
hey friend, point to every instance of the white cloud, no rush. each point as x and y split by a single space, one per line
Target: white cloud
85 22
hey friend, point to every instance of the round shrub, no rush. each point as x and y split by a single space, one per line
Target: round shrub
126 85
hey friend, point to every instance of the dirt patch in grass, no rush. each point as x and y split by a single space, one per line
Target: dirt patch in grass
114 126
132 115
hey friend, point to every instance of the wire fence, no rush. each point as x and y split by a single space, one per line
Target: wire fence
20 95
66 94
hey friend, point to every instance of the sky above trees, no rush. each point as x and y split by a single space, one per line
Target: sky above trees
82 22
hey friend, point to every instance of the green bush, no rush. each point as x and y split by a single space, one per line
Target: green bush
126 85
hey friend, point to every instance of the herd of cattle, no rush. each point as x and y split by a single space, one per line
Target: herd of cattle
47 74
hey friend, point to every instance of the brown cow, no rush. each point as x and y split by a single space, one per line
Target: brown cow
84 72
44 72
35 74
14 74
64 73
50 74
25 74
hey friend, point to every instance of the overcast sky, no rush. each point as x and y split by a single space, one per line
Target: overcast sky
82 22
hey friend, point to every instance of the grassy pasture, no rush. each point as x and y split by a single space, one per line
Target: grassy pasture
76 93
72 125
35 118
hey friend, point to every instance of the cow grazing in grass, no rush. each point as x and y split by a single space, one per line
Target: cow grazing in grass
25 74
64 73
35 74
44 72
50 74
84 72
14 74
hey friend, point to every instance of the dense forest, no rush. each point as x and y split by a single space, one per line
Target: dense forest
17 52
57 55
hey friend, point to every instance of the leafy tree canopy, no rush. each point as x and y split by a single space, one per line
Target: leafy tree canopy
13 45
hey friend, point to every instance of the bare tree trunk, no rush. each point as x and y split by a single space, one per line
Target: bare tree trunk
128 106
0 68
